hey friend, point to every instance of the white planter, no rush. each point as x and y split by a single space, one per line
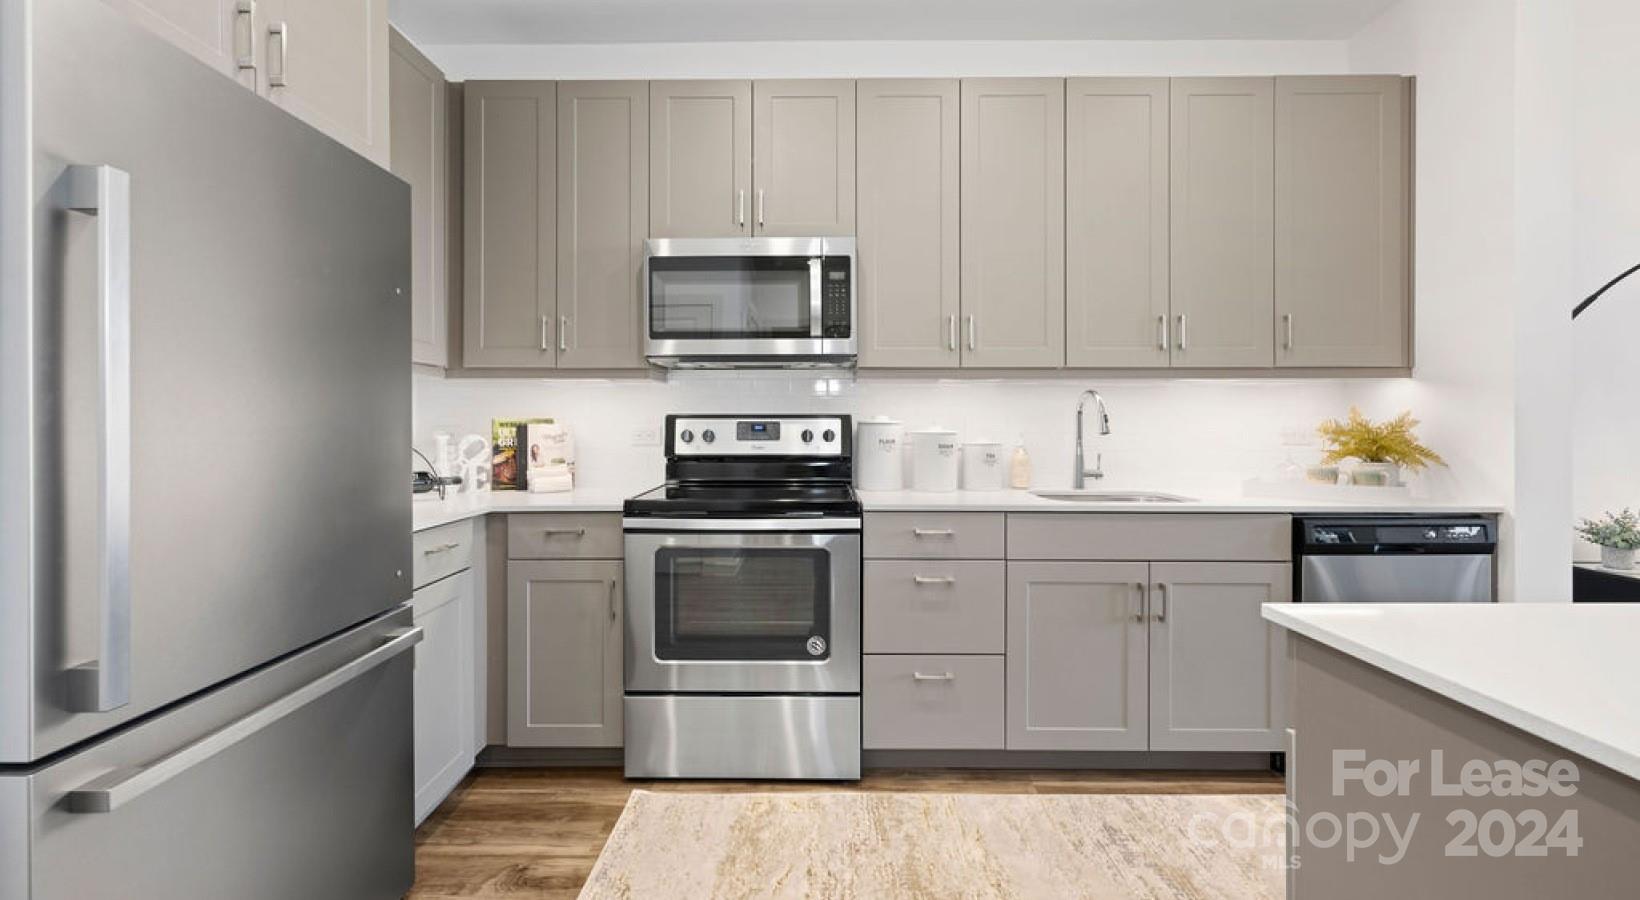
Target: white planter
1613 558
1376 474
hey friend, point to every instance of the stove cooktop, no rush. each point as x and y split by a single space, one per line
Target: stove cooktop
746 500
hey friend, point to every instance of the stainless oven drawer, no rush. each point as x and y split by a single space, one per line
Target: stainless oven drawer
685 736
743 612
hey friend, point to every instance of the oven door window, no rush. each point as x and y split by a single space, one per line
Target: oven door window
742 604
730 297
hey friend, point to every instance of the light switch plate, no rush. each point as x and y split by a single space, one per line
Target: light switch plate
646 437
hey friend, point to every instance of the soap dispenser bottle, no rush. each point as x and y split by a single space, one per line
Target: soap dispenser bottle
1019 469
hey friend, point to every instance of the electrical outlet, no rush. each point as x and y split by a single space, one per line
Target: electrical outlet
646 437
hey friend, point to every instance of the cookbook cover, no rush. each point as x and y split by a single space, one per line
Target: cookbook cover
506 474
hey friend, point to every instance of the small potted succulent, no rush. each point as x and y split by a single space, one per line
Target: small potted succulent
1617 535
1381 449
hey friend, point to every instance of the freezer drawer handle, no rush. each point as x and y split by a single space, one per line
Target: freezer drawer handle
115 789
105 193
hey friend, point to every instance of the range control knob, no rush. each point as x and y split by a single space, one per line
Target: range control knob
686 436
807 435
708 436
829 436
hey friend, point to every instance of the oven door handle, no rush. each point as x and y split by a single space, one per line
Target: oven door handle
744 526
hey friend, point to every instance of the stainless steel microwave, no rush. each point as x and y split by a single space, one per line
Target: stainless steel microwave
750 302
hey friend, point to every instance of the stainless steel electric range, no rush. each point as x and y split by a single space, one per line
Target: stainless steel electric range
743 603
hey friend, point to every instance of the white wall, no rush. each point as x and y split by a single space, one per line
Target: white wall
1607 209
883 59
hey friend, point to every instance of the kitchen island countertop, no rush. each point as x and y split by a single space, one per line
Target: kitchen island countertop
1565 673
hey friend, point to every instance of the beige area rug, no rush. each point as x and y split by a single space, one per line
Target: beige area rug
871 845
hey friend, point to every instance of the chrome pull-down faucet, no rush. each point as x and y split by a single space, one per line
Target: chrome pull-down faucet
1081 473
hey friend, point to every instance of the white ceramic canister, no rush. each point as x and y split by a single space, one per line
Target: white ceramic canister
984 468
879 454
934 461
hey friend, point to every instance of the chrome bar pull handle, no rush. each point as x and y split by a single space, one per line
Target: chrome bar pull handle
280 32
563 334
1161 602
1144 601
760 207
933 579
951 332
544 345
614 605
245 12
1287 323
104 192
740 208
1184 342
943 676
110 791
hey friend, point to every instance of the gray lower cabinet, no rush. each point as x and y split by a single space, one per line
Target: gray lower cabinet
1116 223
909 225
1216 667
931 702
700 158
419 148
509 307
603 217
564 653
1342 289
444 691
934 606
1013 222
1077 656
1223 160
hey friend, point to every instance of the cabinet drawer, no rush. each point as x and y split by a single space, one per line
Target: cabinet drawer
933 536
1150 536
932 703
935 606
563 536
441 551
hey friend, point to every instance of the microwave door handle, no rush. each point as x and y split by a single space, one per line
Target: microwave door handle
815 284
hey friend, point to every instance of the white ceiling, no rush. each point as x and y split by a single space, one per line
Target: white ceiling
621 21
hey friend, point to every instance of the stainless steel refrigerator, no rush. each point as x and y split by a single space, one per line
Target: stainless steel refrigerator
205 689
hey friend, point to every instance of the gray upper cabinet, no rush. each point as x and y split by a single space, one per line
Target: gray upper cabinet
700 159
1216 667
1013 222
909 225
803 157
1341 221
419 148
1223 160
326 62
564 655
509 310
1116 222
603 203
1076 656
214 31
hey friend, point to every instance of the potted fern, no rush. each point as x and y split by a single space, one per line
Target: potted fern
1617 535
1381 449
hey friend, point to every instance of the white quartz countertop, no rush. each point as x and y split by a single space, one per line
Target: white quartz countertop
430 512
1025 501
1567 673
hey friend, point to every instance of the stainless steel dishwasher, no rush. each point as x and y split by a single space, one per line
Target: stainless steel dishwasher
1395 559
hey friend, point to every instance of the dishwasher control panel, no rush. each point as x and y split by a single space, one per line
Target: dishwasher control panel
1411 534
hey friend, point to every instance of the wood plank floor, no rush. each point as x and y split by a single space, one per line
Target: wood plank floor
517 833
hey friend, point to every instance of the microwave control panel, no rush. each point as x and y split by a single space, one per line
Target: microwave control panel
836 297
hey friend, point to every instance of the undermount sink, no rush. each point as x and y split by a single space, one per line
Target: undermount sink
1113 496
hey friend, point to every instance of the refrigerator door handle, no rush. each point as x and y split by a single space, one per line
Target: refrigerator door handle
112 790
104 192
